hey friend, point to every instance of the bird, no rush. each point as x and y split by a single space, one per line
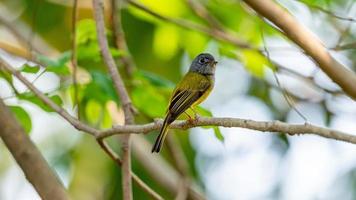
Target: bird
193 89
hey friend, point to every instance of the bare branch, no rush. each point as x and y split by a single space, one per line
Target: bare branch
121 91
76 123
74 55
29 158
264 126
312 46
168 181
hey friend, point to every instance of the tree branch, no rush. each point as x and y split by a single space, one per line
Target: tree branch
29 158
74 55
73 121
121 91
312 46
76 123
264 126
271 126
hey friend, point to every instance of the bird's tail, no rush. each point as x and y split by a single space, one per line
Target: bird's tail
162 135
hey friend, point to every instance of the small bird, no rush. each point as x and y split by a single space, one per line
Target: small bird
194 88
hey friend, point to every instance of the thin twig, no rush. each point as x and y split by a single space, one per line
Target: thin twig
119 37
117 159
181 164
123 94
74 56
201 11
328 12
284 91
343 47
346 31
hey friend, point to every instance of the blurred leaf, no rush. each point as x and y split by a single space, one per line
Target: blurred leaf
172 8
154 79
88 47
204 112
165 41
58 69
103 87
30 69
35 100
207 113
93 111
57 66
89 51
149 100
22 117
6 76
227 50
86 31
254 62
218 134
193 42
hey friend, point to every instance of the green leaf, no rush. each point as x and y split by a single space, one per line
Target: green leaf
149 100
218 134
45 60
166 41
101 88
254 62
85 31
153 79
227 50
93 111
6 76
22 117
207 113
58 69
33 99
30 69
204 112
58 66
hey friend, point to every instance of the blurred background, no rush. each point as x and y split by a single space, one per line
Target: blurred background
225 163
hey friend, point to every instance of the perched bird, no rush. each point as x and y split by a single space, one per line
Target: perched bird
189 92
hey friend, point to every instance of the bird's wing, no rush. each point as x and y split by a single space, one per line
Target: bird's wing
191 88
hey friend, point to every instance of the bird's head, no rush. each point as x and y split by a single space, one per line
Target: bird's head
204 64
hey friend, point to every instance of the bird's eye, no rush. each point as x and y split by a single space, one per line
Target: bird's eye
202 60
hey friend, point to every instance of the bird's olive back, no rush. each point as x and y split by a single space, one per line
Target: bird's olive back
204 64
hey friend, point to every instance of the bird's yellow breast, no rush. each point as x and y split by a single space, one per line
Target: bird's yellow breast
204 96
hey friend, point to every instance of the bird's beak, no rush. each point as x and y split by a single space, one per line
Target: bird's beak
214 63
